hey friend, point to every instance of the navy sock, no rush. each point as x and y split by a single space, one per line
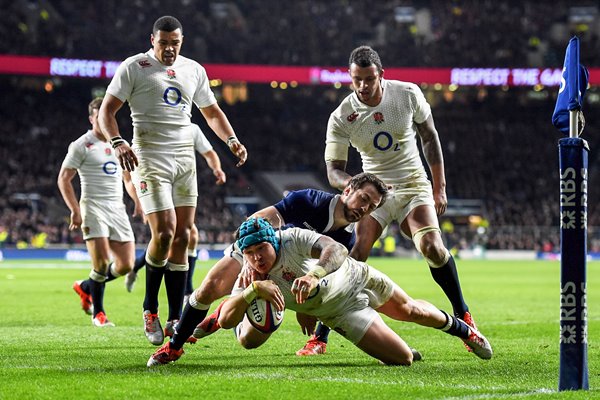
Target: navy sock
447 278
139 262
109 275
97 292
189 284
175 284
85 286
154 276
455 326
322 332
189 319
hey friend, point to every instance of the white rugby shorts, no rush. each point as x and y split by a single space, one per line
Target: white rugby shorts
401 200
164 180
358 315
105 219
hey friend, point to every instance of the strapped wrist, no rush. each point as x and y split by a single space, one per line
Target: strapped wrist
231 140
250 293
317 271
116 141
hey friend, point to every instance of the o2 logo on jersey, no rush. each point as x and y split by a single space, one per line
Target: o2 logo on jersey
172 96
383 141
109 168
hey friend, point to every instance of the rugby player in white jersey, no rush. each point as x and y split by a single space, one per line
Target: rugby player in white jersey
161 87
312 274
203 147
382 119
100 213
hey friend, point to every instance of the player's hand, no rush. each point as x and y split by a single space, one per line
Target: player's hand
126 157
220 175
307 323
138 212
441 201
76 221
239 150
248 275
269 291
303 286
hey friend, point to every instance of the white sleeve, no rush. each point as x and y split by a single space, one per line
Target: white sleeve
201 143
203 97
75 156
337 141
121 84
422 109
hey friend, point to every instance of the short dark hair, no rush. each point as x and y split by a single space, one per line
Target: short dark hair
167 23
365 56
94 105
366 178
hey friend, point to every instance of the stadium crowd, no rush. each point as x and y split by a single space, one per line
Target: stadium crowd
488 137
459 33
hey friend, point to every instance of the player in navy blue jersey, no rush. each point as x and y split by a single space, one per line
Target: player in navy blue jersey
325 213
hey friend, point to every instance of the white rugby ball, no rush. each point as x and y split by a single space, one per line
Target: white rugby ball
263 316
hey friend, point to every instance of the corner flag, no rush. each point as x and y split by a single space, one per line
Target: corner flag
573 166
573 85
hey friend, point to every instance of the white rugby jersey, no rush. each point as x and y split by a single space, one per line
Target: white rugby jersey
334 291
99 171
161 97
201 143
384 135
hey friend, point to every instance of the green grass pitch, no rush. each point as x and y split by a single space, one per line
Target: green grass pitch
50 350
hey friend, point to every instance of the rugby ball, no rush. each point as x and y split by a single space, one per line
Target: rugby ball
263 316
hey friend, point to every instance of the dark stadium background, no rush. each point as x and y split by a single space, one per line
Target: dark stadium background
499 145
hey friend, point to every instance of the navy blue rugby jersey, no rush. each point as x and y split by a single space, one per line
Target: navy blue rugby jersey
313 209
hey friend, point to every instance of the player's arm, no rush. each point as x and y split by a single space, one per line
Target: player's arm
337 175
214 163
233 310
218 122
432 150
107 118
272 215
65 186
336 157
331 255
137 209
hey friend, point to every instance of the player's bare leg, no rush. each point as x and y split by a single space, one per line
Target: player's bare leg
367 231
98 248
162 226
218 283
422 224
403 308
381 342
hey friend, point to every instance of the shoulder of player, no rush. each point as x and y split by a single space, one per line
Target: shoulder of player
139 59
184 61
400 87
344 112
344 106
312 197
85 139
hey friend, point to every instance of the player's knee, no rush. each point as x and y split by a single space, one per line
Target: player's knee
183 235
360 254
434 252
249 338
404 359
101 265
227 323
208 292
165 238
122 268
247 342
